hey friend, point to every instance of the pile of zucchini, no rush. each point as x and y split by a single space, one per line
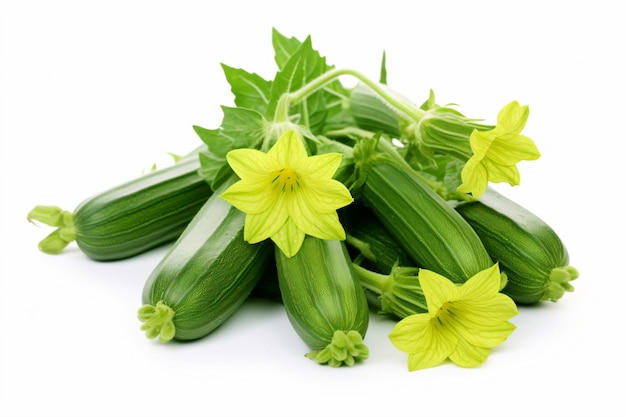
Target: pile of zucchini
404 217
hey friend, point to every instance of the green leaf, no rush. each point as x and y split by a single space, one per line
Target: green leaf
325 105
240 128
284 48
303 66
250 90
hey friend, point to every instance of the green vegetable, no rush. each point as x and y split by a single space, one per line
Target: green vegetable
130 218
528 250
205 276
423 223
324 301
371 113
374 245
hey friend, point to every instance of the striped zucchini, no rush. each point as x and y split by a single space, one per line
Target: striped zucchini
324 301
375 246
528 250
434 235
130 218
205 276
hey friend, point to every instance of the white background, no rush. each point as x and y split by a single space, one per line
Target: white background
94 92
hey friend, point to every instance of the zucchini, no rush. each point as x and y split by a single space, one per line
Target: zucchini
374 245
130 218
434 235
528 250
324 301
205 276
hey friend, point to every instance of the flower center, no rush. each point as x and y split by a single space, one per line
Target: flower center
286 179
444 311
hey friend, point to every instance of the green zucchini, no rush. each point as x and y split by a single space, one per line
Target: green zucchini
132 217
528 250
374 245
205 276
324 301
434 235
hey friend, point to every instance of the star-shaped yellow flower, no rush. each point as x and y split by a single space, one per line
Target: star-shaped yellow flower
496 152
462 323
286 193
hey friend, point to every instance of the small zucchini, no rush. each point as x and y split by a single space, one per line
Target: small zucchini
130 218
324 301
205 276
528 250
434 235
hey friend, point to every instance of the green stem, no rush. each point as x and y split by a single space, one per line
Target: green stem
387 148
281 115
363 247
399 292
403 107
370 280
54 216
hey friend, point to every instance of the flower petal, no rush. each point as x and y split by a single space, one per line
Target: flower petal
480 142
469 356
250 163
258 227
251 197
512 118
322 226
428 343
321 166
481 324
289 238
484 284
438 290
502 173
474 178
409 332
324 196
288 150
512 148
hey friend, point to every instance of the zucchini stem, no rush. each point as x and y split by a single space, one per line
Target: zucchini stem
400 292
345 348
394 101
363 247
63 220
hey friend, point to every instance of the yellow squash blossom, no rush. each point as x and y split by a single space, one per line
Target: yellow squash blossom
286 193
496 152
462 324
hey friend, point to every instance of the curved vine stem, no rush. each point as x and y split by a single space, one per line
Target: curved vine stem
288 99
